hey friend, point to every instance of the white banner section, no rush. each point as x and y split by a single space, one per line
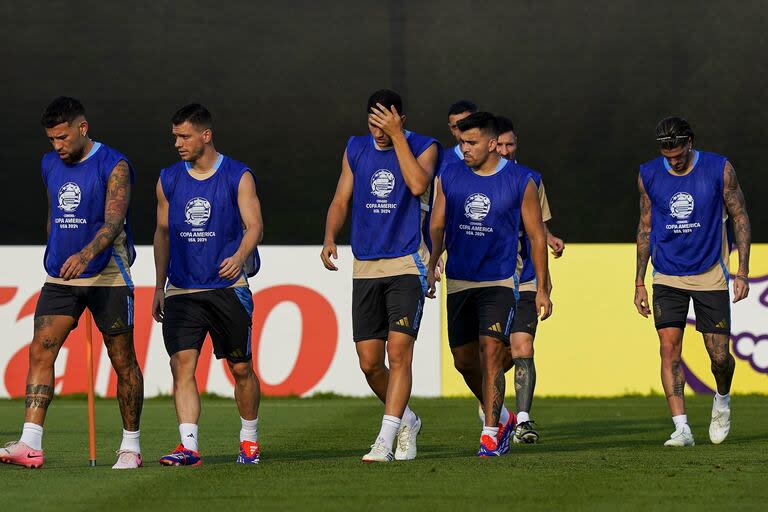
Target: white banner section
302 330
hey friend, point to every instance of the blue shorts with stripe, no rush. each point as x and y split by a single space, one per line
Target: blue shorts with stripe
224 313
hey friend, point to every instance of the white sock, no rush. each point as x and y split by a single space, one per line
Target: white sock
523 416
131 441
249 430
409 417
389 427
722 401
493 432
504 417
32 436
680 420
188 432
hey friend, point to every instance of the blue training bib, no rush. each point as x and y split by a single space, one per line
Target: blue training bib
204 222
686 214
386 216
482 220
78 193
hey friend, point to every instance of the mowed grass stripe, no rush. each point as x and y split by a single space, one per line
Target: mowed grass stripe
596 454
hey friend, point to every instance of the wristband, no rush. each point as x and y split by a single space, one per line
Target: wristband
742 277
641 285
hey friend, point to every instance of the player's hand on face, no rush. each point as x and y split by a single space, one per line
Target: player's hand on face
158 305
433 275
641 301
328 252
389 120
543 304
231 267
740 289
75 265
557 245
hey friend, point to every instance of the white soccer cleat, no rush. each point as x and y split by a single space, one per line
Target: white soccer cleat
127 459
379 453
720 425
681 437
406 441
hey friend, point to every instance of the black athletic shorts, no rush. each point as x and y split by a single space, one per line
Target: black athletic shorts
526 319
384 304
712 309
224 313
476 312
111 306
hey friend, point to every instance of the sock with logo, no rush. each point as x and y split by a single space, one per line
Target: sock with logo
409 417
131 441
389 427
722 401
680 420
249 430
32 436
188 432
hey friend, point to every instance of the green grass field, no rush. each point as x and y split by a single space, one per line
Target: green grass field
596 454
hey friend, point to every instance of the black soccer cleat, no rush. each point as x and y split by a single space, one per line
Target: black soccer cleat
525 433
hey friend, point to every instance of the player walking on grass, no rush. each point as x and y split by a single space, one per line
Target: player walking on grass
87 258
383 175
478 208
208 225
686 198
526 318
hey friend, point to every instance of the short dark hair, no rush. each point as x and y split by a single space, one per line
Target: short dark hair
484 121
504 124
386 97
462 106
62 110
673 132
196 114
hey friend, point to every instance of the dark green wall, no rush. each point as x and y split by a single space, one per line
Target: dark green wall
585 83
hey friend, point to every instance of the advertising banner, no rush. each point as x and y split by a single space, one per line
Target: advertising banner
302 331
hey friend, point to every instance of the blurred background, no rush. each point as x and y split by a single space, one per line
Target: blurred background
287 82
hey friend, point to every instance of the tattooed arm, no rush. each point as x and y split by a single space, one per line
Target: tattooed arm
115 210
733 198
643 251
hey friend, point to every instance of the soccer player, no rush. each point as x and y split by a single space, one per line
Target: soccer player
456 112
478 207
383 175
686 199
526 319
88 258
208 225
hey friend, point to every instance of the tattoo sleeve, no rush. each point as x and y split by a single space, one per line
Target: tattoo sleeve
643 233
499 385
115 210
678 379
733 198
39 396
525 383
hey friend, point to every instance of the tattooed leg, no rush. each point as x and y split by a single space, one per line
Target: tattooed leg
672 375
466 359
525 383
492 360
130 383
723 362
50 333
